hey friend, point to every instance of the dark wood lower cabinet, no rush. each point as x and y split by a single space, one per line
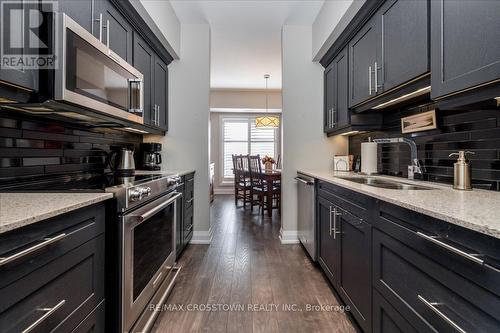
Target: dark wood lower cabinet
354 280
56 287
184 232
386 319
401 271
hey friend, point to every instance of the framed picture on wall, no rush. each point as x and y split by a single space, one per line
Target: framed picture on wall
419 122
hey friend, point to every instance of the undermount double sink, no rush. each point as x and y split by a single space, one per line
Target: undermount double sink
385 183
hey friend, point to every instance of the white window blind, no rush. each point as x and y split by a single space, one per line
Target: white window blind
240 136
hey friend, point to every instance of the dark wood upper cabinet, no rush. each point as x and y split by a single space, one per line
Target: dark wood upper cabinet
80 11
144 62
116 28
363 51
161 93
404 42
336 95
465 48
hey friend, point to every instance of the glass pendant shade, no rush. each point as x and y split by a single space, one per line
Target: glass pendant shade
267 122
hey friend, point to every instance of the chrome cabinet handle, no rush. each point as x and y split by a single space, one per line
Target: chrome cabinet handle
334 118
335 214
18 255
154 114
100 26
331 211
432 306
48 313
448 247
370 80
107 33
376 77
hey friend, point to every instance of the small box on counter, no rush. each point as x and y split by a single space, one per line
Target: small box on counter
343 162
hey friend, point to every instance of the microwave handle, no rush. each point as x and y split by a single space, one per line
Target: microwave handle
136 108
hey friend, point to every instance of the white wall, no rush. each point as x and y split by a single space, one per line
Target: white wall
245 99
164 16
186 145
305 146
328 17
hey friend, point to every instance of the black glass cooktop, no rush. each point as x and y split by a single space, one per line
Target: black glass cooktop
75 183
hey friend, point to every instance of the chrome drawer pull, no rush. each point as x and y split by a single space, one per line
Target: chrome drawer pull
47 314
451 248
47 241
432 306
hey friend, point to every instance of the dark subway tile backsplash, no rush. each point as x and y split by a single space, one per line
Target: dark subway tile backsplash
32 148
477 131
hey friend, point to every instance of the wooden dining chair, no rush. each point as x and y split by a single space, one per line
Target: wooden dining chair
259 186
242 185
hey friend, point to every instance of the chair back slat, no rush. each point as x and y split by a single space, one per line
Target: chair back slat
255 169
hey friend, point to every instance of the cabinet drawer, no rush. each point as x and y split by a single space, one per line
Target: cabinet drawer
386 319
421 288
346 199
45 241
58 296
469 254
94 322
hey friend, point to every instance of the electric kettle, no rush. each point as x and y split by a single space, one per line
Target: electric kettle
121 161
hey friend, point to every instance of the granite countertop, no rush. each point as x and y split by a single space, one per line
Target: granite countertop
475 210
21 209
177 172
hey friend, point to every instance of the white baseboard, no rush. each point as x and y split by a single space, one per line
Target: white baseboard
289 236
224 190
202 237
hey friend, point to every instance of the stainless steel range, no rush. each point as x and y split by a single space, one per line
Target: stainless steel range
147 213
140 240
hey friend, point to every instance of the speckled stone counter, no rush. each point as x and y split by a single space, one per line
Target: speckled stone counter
477 210
21 209
176 172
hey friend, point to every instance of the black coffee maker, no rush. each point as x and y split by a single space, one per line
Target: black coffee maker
150 156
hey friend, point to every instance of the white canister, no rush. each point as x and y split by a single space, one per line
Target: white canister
369 160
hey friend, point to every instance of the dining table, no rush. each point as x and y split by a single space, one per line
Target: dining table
270 177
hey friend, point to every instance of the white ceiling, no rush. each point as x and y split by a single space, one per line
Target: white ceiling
246 36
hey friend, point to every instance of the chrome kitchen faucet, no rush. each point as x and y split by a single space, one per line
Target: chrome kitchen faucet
415 166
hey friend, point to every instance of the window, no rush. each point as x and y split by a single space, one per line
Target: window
240 136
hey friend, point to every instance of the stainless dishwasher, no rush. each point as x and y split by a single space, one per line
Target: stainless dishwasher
306 213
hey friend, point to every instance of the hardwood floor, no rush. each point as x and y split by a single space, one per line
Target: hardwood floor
247 265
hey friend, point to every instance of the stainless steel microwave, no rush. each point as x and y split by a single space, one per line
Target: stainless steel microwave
88 82
91 75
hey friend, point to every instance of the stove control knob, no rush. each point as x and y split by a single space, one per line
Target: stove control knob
135 195
145 191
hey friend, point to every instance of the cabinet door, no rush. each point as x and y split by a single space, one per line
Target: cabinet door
143 61
80 11
330 92
116 28
404 41
465 48
362 58
341 113
161 93
354 281
327 240
20 77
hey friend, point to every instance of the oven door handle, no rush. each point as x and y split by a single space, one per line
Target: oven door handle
143 217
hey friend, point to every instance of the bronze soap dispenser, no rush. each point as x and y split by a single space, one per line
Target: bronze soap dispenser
462 171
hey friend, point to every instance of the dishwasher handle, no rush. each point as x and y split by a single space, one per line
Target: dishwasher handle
303 181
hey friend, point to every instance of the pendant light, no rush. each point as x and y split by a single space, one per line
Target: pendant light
267 121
